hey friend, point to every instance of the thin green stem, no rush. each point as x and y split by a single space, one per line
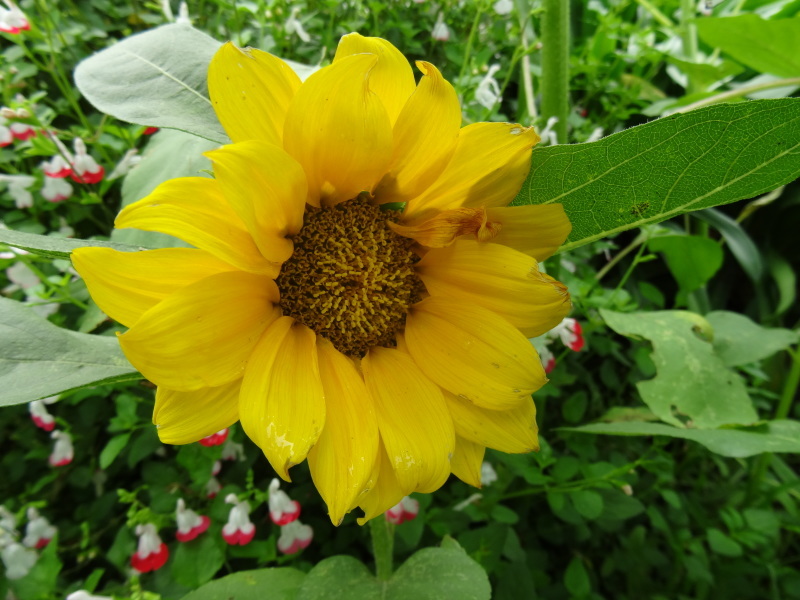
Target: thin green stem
637 241
688 31
555 65
657 14
742 91
382 533
468 47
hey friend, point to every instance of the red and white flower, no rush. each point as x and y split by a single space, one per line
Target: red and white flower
215 439
213 487
547 357
55 190
19 189
405 510
239 529
282 509
232 451
294 537
12 19
63 452
190 524
84 168
57 166
38 531
22 131
5 133
151 553
41 417
570 332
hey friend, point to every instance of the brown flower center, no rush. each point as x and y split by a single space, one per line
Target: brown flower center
351 278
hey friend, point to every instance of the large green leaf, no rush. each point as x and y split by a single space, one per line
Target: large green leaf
773 436
56 247
765 46
430 574
738 340
156 78
259 584
668 167
691 259
38 359
691 380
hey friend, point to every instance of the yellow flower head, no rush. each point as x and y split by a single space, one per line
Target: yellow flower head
389 348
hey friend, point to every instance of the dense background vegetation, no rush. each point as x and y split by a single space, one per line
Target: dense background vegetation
674 515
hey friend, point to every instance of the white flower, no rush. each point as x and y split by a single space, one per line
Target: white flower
40 415
12 19
547 134
55 189
8 523
183 14
488 474
151 553
503 7
282 509
85 168
38 531
63 451
5 133
84 595
239 529
405 510
190 524
18 189
232 451
488 92
57 166
570 332
294 537
440 31
130 160
213 487
293 25
18 560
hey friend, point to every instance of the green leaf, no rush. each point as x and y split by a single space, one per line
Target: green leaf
430 574
764 46
722 544
38 359
773 436
739 341
741 245
196 562
588 503
56 247
691 379
40 581
275 584
576 579
339 578
155 78
112 449
668 167
692 260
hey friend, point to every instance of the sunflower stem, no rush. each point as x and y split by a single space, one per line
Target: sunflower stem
382 533
555 65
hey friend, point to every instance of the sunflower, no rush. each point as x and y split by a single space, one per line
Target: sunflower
358 293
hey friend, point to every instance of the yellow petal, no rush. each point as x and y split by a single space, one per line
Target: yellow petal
444 227
473 353
513 431
186 417
251 91
488 167
194 210
534 230
203 334
339 131
344 457
282 405
392 79
267 189
499 278
125 285
386 491
415 426
467 461
424 138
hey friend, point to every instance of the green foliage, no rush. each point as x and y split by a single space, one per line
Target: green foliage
38 359
282 584
666 168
